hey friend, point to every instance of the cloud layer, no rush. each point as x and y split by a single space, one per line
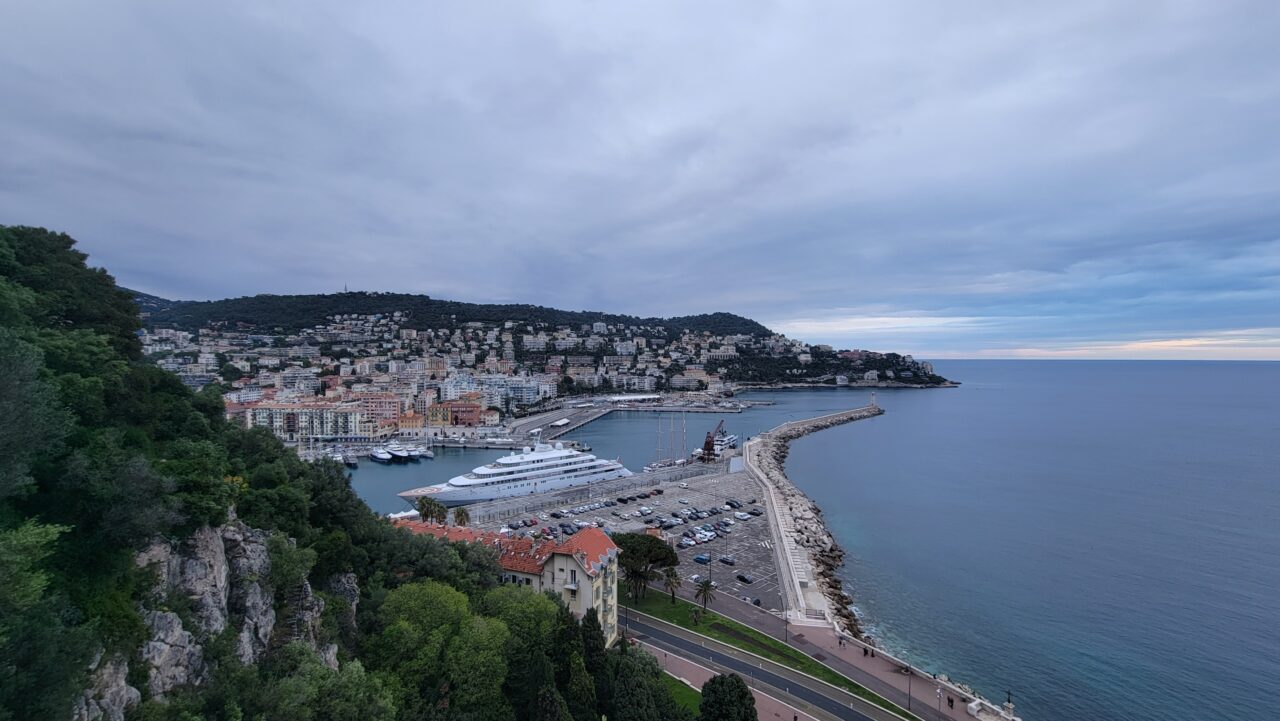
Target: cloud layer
1001 179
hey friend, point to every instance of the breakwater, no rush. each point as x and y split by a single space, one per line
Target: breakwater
803 536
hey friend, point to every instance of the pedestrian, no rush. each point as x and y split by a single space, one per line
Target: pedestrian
864 651
873 653
951 703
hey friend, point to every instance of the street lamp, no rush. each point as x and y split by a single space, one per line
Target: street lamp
907 669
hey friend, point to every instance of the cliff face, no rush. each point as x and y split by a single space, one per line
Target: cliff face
216 579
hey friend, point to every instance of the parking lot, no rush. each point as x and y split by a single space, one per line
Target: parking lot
748 541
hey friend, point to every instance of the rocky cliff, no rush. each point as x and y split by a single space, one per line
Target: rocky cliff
217 579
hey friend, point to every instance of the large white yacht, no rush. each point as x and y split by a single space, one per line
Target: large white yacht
539 469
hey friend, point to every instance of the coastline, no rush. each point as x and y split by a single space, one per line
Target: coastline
799 521
801 537
850 384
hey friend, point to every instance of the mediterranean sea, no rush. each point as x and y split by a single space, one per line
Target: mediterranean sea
1101 538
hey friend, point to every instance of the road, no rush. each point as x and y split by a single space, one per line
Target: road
805 640
776 678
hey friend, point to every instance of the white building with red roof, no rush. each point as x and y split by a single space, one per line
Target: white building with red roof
582 569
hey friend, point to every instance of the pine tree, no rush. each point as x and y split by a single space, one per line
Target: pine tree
550 706
581 692
566 642
727 698
595 657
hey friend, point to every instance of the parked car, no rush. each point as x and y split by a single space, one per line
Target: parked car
756 511
557 514
642 495
695 578
684 485
728 560
746 578
657 491
687 543
741 516
622 500
702 558
684 501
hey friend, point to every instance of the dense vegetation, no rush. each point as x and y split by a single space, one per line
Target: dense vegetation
297 312
101 454
755 367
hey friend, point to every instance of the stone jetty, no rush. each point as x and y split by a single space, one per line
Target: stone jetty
799 520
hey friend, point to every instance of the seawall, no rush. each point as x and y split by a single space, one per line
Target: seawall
808 556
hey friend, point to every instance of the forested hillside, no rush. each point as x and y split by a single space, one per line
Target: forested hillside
295 312
114 481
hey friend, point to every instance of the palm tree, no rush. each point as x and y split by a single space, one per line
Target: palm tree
671 581
461 516
636 578
705 593
429 509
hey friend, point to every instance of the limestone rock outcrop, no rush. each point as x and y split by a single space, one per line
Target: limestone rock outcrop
109 694
173 656
250 598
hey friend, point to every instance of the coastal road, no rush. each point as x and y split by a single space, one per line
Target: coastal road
773 678
813 641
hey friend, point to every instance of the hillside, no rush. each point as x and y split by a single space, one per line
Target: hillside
160 563
295 312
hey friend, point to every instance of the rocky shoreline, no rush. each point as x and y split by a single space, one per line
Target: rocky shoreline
809 531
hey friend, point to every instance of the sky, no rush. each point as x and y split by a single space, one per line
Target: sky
980 179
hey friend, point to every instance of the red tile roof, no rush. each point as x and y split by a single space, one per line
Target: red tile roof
591 546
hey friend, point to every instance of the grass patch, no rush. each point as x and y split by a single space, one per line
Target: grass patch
684 694
733 633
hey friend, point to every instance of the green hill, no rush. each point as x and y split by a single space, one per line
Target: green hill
296 312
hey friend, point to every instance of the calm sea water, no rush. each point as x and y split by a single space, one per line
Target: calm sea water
1101 538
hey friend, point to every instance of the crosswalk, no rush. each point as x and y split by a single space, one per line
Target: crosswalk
766 544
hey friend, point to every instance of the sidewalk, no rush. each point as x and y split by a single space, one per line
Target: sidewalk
848 660
879 674
767 707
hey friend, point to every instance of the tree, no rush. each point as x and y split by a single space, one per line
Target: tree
727 698
581 692
461 516
641 555
566 642
595 657
475 670
671 581
706 593
550 706
431 510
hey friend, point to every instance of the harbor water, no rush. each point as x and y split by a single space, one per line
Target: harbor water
1100 538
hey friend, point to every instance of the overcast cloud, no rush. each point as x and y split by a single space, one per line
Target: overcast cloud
947 179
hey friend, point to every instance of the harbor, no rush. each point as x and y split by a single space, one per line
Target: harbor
788 555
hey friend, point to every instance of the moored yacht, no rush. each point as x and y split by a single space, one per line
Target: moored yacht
399 454
539 469
380 455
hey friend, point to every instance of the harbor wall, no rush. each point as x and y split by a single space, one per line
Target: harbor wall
807 552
